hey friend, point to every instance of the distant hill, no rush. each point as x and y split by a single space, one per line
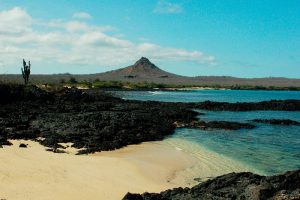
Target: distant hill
145 71
143 68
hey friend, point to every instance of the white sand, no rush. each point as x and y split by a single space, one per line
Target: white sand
33 173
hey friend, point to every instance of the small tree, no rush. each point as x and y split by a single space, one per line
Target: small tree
26 71
62 81
72 80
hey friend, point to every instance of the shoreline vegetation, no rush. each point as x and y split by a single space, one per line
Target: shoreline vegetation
119 85
54 124
145 85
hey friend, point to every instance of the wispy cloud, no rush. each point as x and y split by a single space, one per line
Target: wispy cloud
82 15
163 6
74 43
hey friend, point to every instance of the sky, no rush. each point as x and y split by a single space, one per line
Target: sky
257 38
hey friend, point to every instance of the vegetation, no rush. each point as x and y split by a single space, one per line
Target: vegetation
250 87
26 71
72 80
107 84
150 85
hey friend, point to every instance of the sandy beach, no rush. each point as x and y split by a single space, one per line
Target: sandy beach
33 173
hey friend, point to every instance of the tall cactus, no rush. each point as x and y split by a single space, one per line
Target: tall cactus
26 71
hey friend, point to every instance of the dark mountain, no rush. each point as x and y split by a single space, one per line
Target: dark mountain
143 68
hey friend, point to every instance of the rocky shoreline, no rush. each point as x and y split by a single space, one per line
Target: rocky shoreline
241 186
280 105
226 125
285 122
94 120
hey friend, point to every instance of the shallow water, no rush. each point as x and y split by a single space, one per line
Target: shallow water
268 149
212 95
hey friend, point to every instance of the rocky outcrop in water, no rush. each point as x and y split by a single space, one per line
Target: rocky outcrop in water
277 121
287 105
242 186
225 125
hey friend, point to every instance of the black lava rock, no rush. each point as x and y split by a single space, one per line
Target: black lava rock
95 120
92 120
4 138
23 145
226 125
277 121
287 105
245 185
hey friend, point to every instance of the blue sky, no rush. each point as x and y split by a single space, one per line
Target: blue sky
259 38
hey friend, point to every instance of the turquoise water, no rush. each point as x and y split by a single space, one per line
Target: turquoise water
270 149
212 95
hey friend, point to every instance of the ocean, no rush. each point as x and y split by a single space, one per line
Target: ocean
267 149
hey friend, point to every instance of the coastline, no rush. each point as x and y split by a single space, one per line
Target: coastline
40 174
147 167
209 163
194 88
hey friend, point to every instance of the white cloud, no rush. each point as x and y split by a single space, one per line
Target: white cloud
15 21
163 6
82 15
72 43
73 26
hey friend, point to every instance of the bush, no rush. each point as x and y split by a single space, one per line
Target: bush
72 80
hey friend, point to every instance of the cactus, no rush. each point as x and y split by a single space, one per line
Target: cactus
26 71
